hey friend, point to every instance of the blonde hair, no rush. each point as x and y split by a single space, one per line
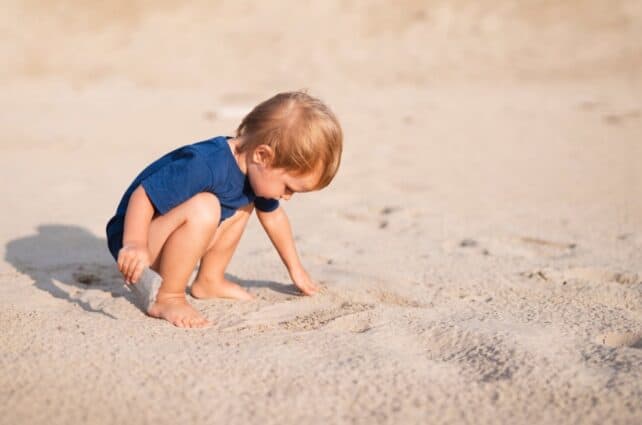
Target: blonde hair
301 130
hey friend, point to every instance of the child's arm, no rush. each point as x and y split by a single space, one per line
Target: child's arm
277 226
134 256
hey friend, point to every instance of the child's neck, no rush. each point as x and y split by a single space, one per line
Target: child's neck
240 157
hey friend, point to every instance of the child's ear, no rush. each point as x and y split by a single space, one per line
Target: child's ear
264 155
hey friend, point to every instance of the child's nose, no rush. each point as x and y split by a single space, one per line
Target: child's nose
286 196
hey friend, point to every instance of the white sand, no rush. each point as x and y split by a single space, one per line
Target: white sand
481 246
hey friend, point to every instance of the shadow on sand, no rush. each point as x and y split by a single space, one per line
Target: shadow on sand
66 260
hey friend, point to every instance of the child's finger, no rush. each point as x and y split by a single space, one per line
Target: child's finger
132 274
138 271
125 269
131 266
309 290
312 288
129 273
126 260
121 261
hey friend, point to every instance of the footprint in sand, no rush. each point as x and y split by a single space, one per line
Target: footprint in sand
357 321
397 300
384 213
591 105
610 118
584 274
320 318
301 315
620 339
367 215
621 117
482 357
518 246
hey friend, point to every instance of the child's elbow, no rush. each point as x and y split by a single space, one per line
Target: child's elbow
266 216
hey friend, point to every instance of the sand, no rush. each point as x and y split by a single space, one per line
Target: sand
481 247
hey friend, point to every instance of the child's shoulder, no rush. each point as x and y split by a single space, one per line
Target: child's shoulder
214 149
214 154
215 144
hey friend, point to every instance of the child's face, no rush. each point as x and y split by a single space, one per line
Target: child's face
277 183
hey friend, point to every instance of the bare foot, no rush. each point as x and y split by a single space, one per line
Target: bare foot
175 309
221 289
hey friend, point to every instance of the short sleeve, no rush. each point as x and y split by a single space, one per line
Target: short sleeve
176 182
266 204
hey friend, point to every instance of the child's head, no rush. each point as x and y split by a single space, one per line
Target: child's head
299 133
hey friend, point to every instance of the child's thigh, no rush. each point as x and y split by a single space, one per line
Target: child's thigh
203 207
231 229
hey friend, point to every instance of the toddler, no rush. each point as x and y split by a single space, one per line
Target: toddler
193 203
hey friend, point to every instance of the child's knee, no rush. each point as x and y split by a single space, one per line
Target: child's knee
204 210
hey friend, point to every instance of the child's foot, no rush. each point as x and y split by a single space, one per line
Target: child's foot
176 310
221 289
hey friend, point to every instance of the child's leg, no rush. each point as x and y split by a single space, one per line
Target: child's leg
176 242
211 282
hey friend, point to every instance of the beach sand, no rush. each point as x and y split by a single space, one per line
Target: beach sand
481 246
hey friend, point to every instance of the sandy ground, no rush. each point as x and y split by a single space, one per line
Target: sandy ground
481 245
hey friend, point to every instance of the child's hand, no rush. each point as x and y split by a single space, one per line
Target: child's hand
303 282
132 260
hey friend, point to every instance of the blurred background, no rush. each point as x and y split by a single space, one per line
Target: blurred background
469 106
270 45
